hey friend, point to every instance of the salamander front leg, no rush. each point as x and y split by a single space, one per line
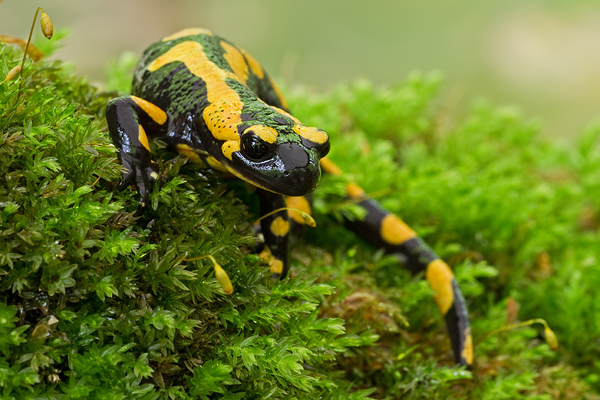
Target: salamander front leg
129 118
275 228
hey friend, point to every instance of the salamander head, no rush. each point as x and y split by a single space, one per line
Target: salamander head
279 157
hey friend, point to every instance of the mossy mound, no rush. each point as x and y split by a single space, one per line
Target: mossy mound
98 304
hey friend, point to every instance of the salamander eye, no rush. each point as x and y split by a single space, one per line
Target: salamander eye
253 146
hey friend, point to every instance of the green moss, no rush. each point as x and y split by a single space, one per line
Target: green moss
516 216
97 304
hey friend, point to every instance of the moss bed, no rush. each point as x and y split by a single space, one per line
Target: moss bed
97 304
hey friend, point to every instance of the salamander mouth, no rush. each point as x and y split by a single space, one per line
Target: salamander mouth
298 182
294 173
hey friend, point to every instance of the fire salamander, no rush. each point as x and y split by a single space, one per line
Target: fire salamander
213 103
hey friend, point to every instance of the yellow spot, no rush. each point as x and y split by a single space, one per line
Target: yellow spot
440 277
229 147
280 227
279 94
313 134
143 138
266 254
394 230
264 132
157 115
223 279
301 204
254 65
276 266
330 167
188 152
188 32
236 61
214 163
354 190
467 353
153 175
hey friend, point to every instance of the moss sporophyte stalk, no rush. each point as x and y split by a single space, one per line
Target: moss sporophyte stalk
47 30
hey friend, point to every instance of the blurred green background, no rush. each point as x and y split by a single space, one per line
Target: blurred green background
543 56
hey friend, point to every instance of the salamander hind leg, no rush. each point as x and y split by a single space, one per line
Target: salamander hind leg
387 231
130 121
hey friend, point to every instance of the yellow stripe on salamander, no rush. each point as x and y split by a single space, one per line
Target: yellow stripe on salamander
214 163
223 114
254 65
143 138
188 152
157 115
236 61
